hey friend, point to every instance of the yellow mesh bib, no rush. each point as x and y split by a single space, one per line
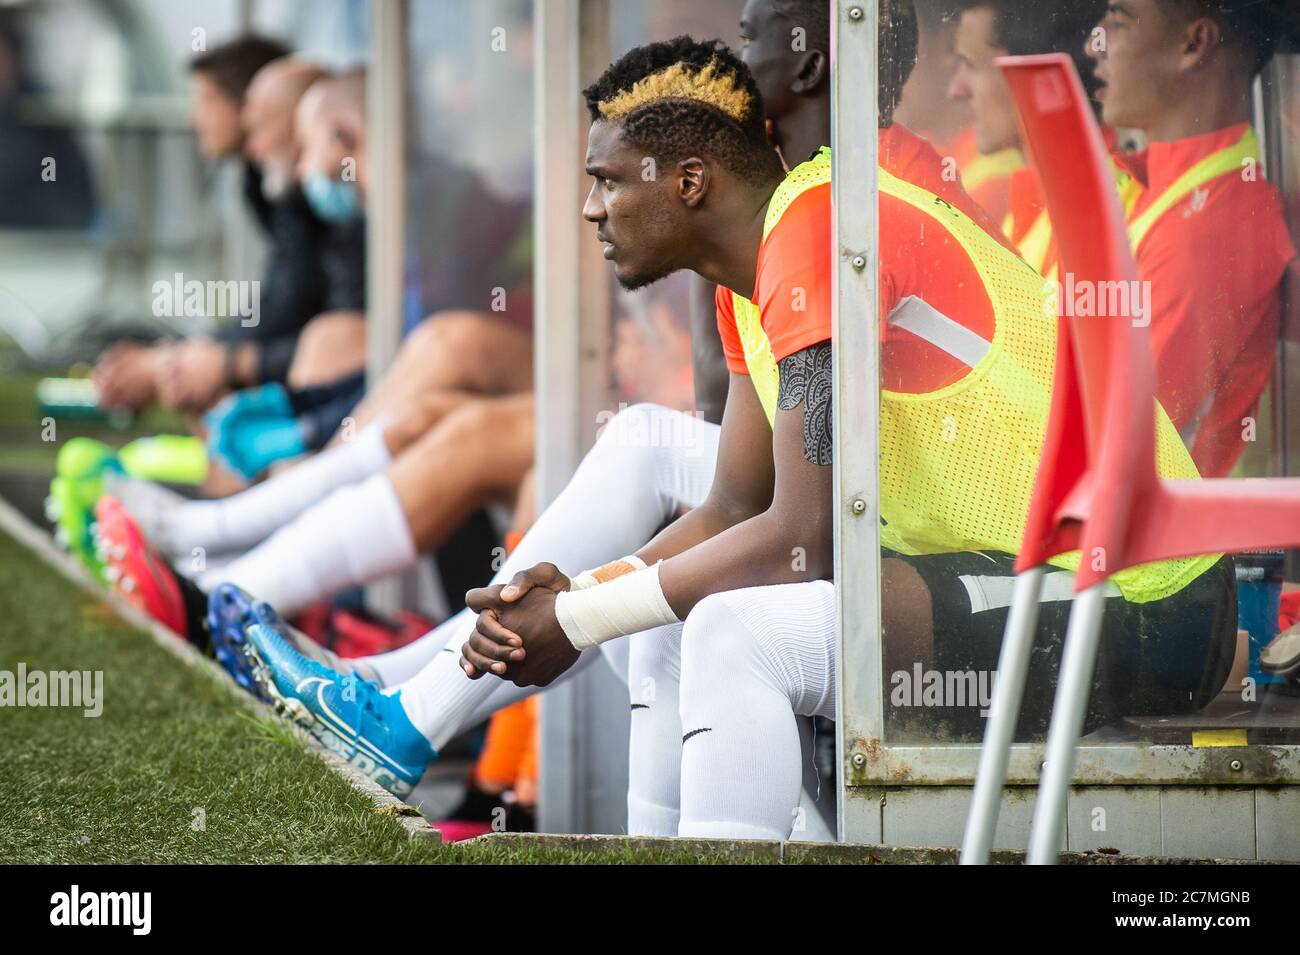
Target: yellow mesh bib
996 165
1033 247
957 465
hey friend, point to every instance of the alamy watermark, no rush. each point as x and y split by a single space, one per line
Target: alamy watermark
181 298
640 427
75 907
944 688
1083 298
77 689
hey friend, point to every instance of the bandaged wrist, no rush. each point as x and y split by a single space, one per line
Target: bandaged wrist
606 572
627 604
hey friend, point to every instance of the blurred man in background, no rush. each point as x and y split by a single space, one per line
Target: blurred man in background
987 30
928 110
1181 71
129 375
297 286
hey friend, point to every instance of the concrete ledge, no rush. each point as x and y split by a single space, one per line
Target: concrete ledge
42 545
756 850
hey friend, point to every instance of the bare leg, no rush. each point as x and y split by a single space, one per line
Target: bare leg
479 452
907 617
332 346
404 427
453 351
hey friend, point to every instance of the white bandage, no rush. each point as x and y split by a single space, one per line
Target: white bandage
627 604
606 572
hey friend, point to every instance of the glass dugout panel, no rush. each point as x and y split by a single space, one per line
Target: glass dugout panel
470 175
1190 683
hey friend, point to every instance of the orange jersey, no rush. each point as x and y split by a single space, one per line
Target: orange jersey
1215 262
792 287
986 178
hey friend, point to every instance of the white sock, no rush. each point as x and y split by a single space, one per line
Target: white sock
750 660
152 505
654 797
622 493
355 536
250 516
398 666
473 701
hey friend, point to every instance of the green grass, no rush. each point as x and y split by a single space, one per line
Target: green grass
125 787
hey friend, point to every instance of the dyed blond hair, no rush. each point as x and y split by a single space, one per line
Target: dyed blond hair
685 97
708 85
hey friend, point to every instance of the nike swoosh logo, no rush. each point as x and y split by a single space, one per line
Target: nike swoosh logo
702 729
321 683
351 734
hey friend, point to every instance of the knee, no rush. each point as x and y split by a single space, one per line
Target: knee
480 421
638 434
425 410
330 346
715 639
493 433
447 335
631 425
470 425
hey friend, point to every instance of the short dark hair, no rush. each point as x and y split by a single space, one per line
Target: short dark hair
233 65
897 42
1025 27
684 97
1252 26
932 14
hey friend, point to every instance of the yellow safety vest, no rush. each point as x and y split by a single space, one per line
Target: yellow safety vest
957 464
1037 240
1035 243
995 165
1228 159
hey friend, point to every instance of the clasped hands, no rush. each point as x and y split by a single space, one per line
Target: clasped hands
518 636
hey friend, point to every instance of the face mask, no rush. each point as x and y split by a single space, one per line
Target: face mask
333 200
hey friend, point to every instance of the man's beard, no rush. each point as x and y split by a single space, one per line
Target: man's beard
641 280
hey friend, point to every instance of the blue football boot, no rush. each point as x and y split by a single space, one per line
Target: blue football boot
349 715
230 613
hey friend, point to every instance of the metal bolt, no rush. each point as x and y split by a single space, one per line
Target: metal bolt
859 262
1235 765
859 505
855 13
859 760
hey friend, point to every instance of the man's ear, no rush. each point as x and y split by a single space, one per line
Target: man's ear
346 134
1201 39
813 71
694 182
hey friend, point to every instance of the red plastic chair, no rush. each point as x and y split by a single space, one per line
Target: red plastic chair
1096 490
